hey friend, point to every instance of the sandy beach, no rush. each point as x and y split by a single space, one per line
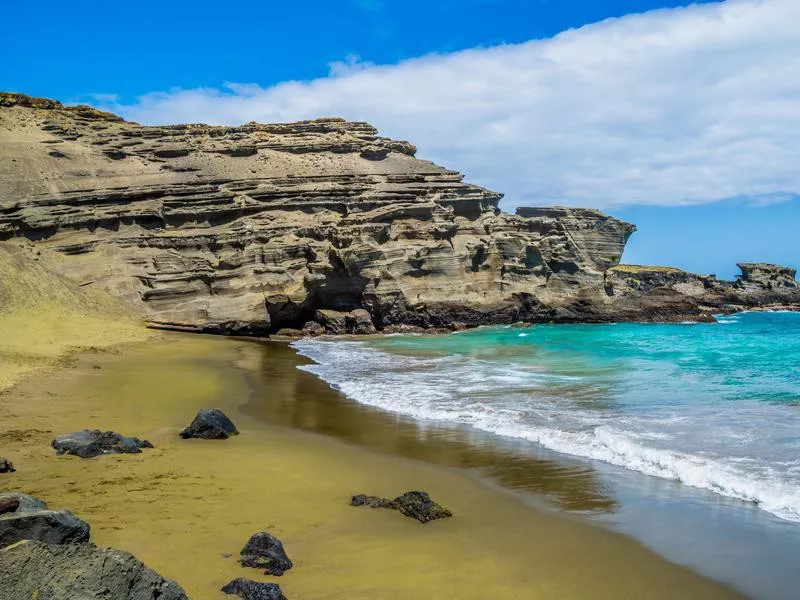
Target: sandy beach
187 507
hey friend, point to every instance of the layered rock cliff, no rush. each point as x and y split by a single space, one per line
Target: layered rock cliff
254 228
669 294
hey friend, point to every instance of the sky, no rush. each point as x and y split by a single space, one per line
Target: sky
683 119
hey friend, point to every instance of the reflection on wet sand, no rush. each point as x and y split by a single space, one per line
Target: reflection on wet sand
289 397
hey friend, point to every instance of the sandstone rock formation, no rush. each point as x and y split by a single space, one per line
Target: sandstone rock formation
251 229
762 276
672 294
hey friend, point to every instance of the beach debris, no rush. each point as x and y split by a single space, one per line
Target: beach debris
416 505
6 466
24 517
91 443
254 590
210 424
264 551
31 569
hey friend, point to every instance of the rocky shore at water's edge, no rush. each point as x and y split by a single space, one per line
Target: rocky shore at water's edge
317 227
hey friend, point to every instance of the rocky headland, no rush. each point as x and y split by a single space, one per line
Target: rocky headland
322 225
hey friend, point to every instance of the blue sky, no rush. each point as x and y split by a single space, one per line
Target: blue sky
75 49
684 120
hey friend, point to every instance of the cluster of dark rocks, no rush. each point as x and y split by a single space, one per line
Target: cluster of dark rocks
334 322
209 423
265 551
47 554
262 551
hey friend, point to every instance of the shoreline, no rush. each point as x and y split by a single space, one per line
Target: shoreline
294 335
180 507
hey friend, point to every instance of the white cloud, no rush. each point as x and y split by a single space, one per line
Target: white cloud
669 107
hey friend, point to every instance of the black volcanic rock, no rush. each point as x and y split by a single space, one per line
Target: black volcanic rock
253 590
24 502
210 424
91 443
416 505
24 517
263 551
32 569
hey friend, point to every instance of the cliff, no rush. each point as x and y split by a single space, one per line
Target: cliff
246 230
760 286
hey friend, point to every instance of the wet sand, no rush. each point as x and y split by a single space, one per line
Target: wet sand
185 506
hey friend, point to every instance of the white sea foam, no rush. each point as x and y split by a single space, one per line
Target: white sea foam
559 412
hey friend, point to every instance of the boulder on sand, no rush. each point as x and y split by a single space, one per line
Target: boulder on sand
23 501
91 443
417 505
8 505
210 424
253 590
30 569
264 551
6 466
24 517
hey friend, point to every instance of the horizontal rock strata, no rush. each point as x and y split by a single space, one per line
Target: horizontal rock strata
252 229
669 294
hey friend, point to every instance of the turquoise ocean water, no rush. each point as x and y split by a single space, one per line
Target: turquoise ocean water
712 406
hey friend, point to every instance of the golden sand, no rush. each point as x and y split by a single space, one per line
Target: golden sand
186 508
